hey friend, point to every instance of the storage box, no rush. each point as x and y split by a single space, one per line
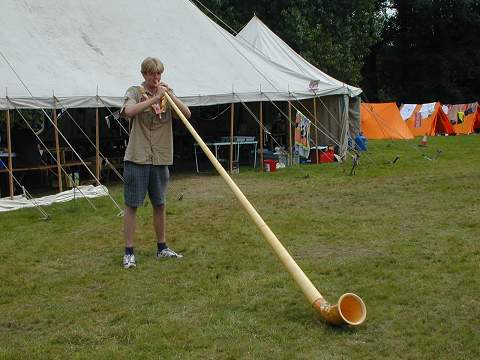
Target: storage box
324 156
270 165
327 156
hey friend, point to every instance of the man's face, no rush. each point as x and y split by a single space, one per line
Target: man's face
152 79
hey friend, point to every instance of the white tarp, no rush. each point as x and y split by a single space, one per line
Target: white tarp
427 109
265 41
77 50
22 201
407 110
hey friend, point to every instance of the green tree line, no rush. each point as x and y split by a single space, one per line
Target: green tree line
409 51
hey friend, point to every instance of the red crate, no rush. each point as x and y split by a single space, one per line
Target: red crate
270 165
327 156
324 156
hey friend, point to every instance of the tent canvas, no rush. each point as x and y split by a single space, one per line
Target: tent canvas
427 119
383 121
80 49
265 41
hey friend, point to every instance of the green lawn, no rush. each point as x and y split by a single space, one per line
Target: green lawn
405 237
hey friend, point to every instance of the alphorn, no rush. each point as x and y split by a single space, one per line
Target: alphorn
350 308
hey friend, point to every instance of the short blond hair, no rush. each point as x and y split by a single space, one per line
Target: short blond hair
152 65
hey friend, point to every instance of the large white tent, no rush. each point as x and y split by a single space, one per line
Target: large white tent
338 114
266 42
77 50
85 54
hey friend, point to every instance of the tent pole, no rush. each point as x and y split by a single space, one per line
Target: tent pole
290 154
9 147
316 127
97 146
57 147
232 114
261 136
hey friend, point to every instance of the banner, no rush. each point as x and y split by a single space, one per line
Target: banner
302 135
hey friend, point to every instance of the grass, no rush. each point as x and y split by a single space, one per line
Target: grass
404 237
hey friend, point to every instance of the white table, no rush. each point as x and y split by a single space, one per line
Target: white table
217 144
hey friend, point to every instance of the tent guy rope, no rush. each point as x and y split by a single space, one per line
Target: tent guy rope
90 141
58 130
69 176
29 196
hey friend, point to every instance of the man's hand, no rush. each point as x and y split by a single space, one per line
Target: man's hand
169 89
161 89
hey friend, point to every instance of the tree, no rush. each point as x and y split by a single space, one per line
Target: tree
335 35
428 52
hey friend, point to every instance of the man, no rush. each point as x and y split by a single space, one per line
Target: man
148 154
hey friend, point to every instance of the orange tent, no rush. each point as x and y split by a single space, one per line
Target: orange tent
470 122
383 121
428 119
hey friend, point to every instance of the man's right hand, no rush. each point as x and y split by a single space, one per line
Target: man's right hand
161 89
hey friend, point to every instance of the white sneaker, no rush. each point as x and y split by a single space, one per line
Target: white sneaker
129 261
168 253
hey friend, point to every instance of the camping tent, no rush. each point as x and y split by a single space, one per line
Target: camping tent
464 117
80 49
338 113
471 123
85 54
383 121
426 119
